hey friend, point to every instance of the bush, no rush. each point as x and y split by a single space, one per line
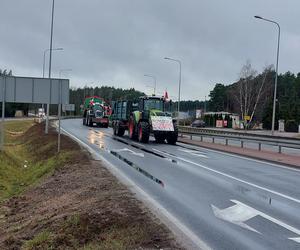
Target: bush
291 126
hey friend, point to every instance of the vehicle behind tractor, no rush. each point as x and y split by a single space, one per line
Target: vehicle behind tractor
95 111
142 117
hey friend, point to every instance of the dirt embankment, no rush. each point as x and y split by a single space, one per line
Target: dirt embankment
78 206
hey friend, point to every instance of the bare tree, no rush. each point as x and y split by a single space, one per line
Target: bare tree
267 72
250 89
244 89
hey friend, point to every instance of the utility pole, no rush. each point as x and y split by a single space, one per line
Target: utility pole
50 64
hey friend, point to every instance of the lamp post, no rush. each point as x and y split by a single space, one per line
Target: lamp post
179 85
45 51
154 78
50 64
277 59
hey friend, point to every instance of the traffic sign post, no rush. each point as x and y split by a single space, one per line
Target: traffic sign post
3 116
59 116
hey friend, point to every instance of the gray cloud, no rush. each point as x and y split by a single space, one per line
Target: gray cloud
116 42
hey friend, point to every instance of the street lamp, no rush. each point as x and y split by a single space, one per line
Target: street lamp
50 64
45 51
179 85
275 87
63 70
154 78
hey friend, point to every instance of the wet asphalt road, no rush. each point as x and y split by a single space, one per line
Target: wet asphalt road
229 202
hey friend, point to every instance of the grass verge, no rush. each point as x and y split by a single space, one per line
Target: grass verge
28 155
67 201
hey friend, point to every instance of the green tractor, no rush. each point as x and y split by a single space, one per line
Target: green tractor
147 115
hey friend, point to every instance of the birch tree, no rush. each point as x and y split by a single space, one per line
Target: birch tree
249 90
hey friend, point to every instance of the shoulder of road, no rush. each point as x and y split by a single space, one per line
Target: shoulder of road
289 160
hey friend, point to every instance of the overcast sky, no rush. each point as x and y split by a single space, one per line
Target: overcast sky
116 42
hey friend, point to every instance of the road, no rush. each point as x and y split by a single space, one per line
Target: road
225 201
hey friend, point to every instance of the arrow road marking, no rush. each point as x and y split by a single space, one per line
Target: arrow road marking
240 212
193 152
130 151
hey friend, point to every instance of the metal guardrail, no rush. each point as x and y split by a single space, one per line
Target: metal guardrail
242 137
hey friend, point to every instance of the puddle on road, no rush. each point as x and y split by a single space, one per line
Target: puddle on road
96 138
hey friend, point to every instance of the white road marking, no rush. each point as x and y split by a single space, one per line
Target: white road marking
128 150
240 212
295 239
193 152
236 214
231 177
147 198
240 157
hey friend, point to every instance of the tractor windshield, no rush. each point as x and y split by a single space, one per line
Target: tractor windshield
153 104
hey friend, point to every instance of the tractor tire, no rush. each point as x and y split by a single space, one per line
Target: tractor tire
143 132
132 130
90 122
114 125
173 136
159 137
120 130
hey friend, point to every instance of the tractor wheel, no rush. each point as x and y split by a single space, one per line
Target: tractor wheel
159 137
120 130
143 132
114 125
131 129
91 122
172 136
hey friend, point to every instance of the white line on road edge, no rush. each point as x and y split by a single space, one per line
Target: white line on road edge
231 177
240 157
147 198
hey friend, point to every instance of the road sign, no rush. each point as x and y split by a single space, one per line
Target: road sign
68 107
34 90
247 117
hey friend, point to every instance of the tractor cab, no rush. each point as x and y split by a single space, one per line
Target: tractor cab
151 103
155 105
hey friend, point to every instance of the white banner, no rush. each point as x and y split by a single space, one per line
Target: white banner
162 123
